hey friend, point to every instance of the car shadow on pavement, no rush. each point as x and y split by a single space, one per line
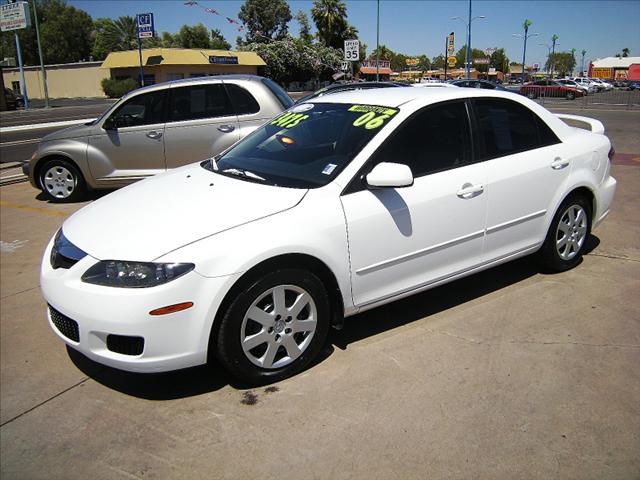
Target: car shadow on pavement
439 299
89 196
212 377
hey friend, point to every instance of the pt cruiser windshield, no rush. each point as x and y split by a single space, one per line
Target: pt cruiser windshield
305 147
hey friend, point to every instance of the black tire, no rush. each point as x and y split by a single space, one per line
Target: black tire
550 255
61 181
232 328
571 96
531 94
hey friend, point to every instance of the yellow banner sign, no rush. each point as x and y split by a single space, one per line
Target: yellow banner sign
601 72
412 62
450 48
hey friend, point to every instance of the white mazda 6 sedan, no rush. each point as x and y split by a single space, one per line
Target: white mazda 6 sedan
334 207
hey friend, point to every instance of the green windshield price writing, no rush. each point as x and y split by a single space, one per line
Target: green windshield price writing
289 119
373 117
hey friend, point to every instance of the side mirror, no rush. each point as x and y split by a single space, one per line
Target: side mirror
394 175
110 124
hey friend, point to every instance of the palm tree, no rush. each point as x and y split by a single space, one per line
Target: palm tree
330 17
583 52
625 52
573 55
122 32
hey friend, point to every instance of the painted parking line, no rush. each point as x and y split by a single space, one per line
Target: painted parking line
27 208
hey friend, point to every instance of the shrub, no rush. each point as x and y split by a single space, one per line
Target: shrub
113 88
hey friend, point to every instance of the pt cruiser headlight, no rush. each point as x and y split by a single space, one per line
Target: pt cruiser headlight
115 273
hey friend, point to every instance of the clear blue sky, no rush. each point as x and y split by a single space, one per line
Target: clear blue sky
602 27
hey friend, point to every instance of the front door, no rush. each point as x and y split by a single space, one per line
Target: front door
401 239
129 143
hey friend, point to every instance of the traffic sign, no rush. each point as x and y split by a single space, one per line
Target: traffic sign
14 16
352 50
145 25
345 66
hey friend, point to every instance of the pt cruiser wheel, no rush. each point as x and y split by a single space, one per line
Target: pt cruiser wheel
61 181
567 235
275 328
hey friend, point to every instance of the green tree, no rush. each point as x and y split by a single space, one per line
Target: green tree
168 40
382 52
499 60
218 42
475 54
330 17
113 35
423 62
625 52
265 19
438 62
563 63
65 33
305 28
194 37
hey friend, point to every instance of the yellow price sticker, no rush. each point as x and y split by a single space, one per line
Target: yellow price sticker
289 119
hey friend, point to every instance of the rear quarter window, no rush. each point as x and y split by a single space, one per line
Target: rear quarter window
282 96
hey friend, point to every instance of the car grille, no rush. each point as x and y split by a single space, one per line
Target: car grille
125 345
66 326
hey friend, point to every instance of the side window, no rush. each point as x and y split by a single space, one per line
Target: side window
145 109
434 139
199 101
506 127
242 101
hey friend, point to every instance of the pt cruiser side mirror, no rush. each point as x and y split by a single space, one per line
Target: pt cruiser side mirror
385 175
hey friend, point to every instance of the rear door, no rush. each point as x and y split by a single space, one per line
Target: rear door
201 123
251 111
526 167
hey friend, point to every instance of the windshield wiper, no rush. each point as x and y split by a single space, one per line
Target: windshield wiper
244 173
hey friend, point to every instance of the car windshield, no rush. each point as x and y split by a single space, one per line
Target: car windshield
305 147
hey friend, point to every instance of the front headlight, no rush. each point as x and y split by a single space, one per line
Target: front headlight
115 273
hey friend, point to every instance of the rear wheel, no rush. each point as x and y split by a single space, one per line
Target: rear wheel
531 94
571 96
61 181
275 327
567 235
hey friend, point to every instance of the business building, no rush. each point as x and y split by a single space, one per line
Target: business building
615 68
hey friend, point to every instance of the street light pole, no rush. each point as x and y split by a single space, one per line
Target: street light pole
527 23
468 60
44 72
378 45
553 51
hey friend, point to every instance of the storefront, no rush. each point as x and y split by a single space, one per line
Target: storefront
164 64
369 69
615 68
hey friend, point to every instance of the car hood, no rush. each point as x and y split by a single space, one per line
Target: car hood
153 217
70 132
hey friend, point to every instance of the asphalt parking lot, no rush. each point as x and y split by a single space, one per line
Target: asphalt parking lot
511 373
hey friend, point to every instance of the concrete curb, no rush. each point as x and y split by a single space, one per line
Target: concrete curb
40 126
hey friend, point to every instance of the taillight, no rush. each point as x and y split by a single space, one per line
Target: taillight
612 153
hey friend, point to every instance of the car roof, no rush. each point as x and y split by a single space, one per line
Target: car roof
395 97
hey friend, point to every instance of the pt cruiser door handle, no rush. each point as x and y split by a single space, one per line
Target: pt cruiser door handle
558 163
154 134
469 191
226 128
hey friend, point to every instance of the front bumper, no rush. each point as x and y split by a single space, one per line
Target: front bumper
173 341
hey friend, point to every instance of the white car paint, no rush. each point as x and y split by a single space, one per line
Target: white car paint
380 244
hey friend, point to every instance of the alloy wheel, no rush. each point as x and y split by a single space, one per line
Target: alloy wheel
278 326
59 182
571 232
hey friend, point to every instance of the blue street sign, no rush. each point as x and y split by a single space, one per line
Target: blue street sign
145 25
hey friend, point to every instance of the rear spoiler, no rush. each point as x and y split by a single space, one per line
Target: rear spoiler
595 126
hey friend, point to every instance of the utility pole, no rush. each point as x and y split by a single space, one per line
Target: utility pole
42 69
446 46
584 52
378 45
468 60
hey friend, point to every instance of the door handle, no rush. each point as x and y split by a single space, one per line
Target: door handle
226 128
154 134
559 163
469 191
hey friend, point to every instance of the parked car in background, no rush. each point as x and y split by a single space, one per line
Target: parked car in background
478 84
347 86
571 83
549 88
591 86
337 206
602 85
14 100
151 130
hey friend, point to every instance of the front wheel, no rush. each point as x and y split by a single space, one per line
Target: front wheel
61 181
569 230
571 96
531 94
275 327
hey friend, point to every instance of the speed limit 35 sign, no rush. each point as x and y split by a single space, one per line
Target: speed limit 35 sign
352 50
